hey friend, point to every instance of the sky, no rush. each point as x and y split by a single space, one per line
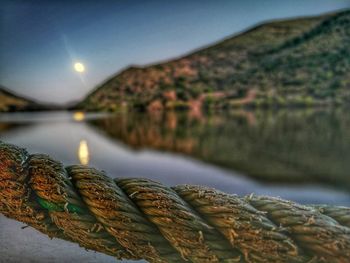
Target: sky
41 40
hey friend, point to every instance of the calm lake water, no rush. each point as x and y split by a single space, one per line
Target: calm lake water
302 155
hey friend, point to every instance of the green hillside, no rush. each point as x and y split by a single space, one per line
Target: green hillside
300 62
11 102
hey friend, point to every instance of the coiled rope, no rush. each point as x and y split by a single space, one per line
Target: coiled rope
143 219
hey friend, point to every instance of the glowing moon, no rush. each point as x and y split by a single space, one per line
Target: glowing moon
79 67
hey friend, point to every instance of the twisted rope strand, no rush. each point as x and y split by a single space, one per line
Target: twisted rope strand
142 219
179 224
247 229
17 199
316 233
120 216
339 213
50 182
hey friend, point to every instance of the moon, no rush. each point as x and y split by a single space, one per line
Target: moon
79 67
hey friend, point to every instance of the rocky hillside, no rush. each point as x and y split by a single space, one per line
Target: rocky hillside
10 102
300 62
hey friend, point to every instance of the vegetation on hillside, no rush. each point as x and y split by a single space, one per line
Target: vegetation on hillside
300 62
10 102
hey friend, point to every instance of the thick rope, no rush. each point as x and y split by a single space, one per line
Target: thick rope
143 219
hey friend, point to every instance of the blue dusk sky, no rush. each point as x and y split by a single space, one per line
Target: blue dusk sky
41 40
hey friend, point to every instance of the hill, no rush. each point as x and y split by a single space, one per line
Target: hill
299 62
11 102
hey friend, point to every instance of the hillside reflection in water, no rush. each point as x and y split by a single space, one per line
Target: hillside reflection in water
300 155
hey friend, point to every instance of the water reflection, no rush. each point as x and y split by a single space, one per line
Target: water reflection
298 155
83 152
79 116
284 146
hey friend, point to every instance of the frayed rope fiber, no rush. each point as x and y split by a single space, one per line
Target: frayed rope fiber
135 218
